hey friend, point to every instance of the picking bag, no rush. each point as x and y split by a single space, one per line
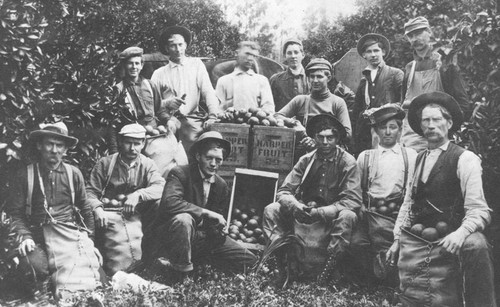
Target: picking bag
73 262
166 152
121 241
429 275
380 229
316 237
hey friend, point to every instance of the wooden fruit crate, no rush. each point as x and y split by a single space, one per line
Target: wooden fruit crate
252 191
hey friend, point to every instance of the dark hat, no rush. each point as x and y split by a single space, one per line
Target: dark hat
313 123
383 113
131 52
317 64
440 98
373 38
415 24
168 32
289 42
58 130
211 136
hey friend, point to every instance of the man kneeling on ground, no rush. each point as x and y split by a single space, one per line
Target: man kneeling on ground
191 222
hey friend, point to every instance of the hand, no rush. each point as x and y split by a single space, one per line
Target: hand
130 202
27 246
100 217
314 213
173 103
173 125
300 212
308 143
209 122
392 253
214 216
454 241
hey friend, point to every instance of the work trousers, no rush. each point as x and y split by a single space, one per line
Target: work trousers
182 242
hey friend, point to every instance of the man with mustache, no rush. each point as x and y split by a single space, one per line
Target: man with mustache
191 219
448 178
380 85
244 88
322 187
427 73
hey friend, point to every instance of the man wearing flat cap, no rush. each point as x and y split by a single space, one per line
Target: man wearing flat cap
191 220
322 187
133 176
293 81
244 88
380 84
428 72
48 192
320 101
385 172
184 81
447 186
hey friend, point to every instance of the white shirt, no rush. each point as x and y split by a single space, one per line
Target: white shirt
469 171
189 77
207 184
244 89
386 170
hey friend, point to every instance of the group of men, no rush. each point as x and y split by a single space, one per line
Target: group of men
182 215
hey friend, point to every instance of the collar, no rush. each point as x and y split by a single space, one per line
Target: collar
395 149
210 179
330 158
130 82
427 55
133 164
290 74
443 147
58 169
239 71
182 63
367 69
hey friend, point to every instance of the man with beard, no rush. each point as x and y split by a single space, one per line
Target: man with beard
427 73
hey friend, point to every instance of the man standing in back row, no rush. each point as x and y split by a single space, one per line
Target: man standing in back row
427 73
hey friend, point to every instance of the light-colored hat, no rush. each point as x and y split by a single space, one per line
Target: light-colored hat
383 113
415 24
370 39
291 41
131 52
440 98
135 131
211 136
317 64
58 130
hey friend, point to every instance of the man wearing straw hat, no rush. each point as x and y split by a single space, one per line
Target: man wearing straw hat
132 181
191 220
48 191
447 186
380 84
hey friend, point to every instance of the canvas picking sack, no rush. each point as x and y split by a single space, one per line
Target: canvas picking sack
312 257
121 241
429 275
166 152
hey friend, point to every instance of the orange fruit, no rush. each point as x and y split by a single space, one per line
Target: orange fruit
417 229
253 121
252 224
121 197
265 122
430 234
261 114
162 129
105 201
114 203
383 210
155 132
149 129
442 228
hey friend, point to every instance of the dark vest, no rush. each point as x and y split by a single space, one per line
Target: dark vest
441 191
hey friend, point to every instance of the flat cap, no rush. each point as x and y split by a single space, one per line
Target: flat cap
135 131
416 24
317 64
291 41
383 113
131 52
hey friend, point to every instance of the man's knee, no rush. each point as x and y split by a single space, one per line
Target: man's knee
348 216
475 242
184 220
272 211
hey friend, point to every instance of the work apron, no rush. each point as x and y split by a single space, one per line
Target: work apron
419 82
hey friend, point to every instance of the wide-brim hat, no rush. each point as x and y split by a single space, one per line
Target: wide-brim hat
313 122
211 136
57 130
376 38
388 111
163 40
440 98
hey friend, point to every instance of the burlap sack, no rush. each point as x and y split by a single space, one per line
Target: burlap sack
166 152
429 275
380 229
73 262
121 241
316 237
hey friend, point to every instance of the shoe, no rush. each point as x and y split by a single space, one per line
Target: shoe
170 275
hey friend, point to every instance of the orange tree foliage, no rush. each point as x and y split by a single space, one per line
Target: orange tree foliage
58 59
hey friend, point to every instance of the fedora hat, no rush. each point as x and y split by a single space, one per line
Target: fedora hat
440 98
313 122
57 130
165 35
213 136
373 38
